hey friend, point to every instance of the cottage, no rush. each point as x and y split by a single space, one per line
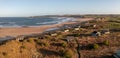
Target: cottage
95 33
100 19
54 34
69 39
66 30
105 32
77 29
117 54
94 26
20 38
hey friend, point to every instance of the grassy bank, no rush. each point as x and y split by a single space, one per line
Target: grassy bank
67 44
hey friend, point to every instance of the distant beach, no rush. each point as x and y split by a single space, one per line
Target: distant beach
11 22
26 30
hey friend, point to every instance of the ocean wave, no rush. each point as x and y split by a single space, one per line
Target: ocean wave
3 23
9 26
53 22
59 20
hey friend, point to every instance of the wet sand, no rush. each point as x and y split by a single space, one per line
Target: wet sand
31 30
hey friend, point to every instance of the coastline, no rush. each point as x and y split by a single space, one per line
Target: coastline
14 32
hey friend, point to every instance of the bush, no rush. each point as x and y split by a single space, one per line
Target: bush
77 35
68 54
95 46
46 44
59 36
61 52
23 47
30 40
106 42
64 44
4 53
42 43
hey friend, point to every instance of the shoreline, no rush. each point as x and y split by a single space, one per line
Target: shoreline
14 32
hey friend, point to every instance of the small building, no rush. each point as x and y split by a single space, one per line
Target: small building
54 34
100 19
117 54
20 38
76 28
105 32
95 33
66 30
94 26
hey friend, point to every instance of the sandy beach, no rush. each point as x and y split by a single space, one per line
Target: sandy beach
31 30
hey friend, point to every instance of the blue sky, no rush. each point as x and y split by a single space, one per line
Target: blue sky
12 8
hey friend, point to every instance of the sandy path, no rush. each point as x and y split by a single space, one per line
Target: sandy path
30 30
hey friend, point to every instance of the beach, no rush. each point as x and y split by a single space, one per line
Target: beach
33 30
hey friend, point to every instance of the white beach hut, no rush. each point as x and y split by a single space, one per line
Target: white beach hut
54 34
66 30
76 28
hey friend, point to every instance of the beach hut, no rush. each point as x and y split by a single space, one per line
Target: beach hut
95 33
117 54
20 38
100 19
105 31
94 25
66 30
76 28
69 39
54 34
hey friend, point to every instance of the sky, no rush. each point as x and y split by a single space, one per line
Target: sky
20 8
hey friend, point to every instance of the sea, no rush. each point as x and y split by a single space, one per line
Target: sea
10 22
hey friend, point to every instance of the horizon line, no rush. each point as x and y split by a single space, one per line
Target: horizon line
59 15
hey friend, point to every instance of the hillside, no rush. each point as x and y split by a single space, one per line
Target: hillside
98 38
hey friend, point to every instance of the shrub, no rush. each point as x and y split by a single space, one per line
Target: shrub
77 35
64 44
59 36
20 51
42 43
23 47
30 40
95 46
4 53
68 54
46 44
106 42
61 52
36 40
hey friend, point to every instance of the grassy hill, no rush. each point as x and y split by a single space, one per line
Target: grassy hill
71 44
